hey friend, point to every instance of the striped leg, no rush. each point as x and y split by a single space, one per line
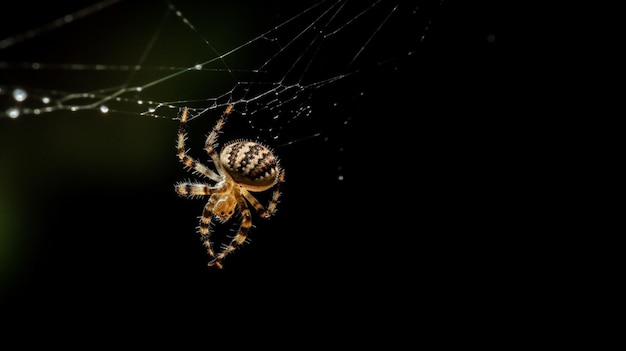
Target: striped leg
211 141
187 160
242 233
195 189
205 228
198 189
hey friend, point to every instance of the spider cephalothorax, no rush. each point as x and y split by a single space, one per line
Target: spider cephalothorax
242 167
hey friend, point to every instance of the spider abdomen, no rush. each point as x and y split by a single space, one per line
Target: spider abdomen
250 164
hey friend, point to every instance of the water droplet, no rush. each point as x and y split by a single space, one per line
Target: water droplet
74 108
140 102
45 100
104 109
13 112
151 109
340 177
19 94
198 67
36 65
139 89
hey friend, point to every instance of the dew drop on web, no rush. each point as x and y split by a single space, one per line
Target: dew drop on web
13 112
19 94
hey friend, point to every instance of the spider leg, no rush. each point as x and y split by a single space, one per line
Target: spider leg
194 189
271 207
199 189
242 233
205 228
187 160
211 140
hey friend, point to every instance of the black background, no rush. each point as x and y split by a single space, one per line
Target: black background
414 233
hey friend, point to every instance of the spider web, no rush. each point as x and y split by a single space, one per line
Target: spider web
268 60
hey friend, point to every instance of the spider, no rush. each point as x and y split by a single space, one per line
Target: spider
242 167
